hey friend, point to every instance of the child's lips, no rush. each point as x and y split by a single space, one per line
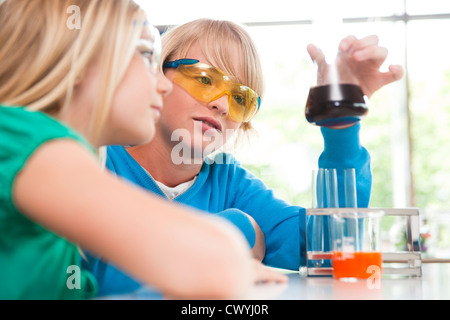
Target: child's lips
157 109
210 122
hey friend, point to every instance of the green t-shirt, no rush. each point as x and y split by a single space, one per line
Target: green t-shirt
34 262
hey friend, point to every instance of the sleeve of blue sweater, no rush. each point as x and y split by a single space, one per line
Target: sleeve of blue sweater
343 149
284 224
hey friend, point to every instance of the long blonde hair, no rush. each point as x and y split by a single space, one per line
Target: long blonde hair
43 58
218 39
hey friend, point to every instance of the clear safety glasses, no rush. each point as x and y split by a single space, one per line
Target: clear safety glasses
151 50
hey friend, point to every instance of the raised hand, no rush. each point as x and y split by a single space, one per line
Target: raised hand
362 58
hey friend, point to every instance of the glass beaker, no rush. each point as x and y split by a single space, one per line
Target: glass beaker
325 194
356 240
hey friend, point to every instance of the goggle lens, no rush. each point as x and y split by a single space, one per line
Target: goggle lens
207 83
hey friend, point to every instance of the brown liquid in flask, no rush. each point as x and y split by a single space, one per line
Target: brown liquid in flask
335 105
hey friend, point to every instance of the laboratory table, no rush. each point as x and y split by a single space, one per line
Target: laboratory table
433 285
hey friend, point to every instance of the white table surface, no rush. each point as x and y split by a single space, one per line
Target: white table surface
434 284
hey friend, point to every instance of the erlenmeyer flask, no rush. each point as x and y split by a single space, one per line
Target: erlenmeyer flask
335 98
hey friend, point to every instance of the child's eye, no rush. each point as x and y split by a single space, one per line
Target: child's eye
147 54
204 80
239 99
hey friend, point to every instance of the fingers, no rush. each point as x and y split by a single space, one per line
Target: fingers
265 274
371 53
347 43
384 78
351 43
395 73
364 49
315 53
356 44
360 49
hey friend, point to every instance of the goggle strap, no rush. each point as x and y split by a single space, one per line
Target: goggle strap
175 64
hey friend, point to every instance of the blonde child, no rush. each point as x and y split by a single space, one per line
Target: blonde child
65 90
218 88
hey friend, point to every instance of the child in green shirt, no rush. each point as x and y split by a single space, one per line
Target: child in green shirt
66 89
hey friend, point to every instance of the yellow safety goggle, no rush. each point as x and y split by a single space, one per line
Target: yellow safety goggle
207 83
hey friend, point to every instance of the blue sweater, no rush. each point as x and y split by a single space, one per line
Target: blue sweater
224 187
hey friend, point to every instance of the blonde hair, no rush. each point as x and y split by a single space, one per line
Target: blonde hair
42 58
218 40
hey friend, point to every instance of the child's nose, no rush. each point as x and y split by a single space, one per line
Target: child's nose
220 104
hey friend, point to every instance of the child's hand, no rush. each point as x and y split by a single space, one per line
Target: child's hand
367 59
264 274
363 58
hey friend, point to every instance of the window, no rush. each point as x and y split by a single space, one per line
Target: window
407 130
